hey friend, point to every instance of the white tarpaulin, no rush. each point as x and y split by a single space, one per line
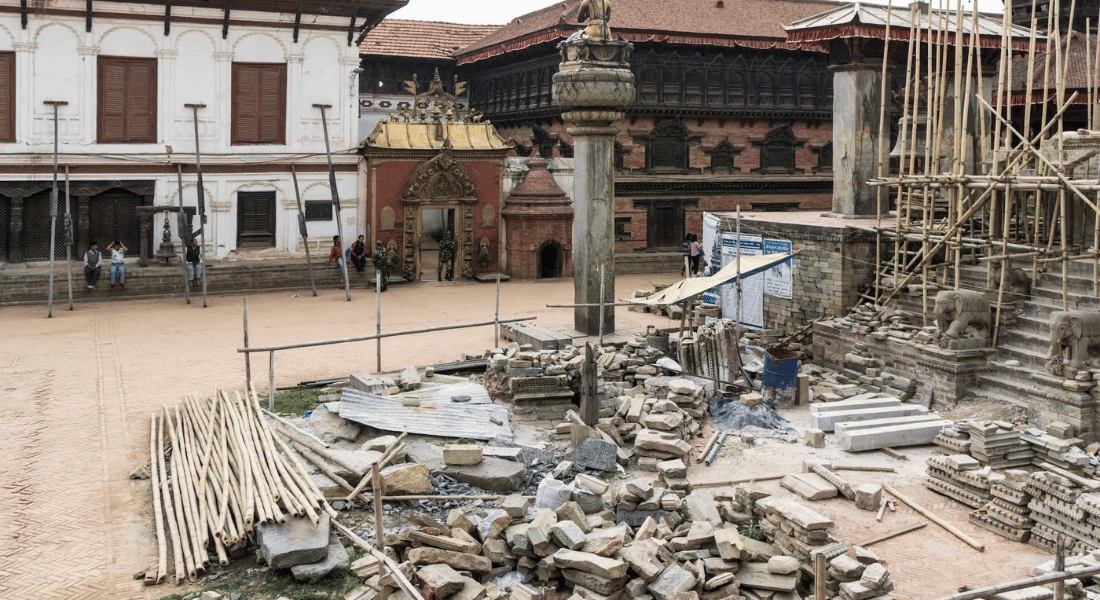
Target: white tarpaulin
692 286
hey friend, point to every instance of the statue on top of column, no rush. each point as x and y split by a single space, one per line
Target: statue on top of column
597 13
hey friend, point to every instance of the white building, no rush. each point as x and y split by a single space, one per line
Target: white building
127 70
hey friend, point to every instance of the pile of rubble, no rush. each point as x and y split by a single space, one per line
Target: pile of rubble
563 547
1056 509
1007 513
999 444
954 439
858 578
961 477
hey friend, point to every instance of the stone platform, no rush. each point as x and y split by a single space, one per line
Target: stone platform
949 374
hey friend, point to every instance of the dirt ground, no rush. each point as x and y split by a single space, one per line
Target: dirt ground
78 391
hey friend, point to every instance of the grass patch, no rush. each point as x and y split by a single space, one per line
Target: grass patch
753 530
298 401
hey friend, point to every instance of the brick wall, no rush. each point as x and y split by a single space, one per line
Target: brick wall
835 264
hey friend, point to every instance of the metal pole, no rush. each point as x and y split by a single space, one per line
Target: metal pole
496 317
53 201
247 355
737 325
271 381
68 239
202 201
365 338
181 224
378 318
335 197
302 227
602 300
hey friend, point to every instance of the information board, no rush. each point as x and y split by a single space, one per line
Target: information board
752 288
779 280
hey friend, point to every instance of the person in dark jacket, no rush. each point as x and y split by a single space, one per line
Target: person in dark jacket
358 254
93 265
194 262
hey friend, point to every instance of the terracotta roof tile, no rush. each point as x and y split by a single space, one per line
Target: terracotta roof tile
422 39
687 21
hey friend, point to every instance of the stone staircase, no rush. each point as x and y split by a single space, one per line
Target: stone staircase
1017 369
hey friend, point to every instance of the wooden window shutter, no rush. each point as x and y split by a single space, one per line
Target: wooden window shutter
259 103
127 100
7 96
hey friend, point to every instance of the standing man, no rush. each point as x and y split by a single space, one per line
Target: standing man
194 261
93 265
446 257
381 260
358 254
695 248
118 252
337 254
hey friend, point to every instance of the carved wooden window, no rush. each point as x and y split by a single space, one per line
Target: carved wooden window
807 91
825 158
765 90
259 103
127 95
722 158
670 86
737 89
716 81
786 90
693 88
777 153
667 148
620 157
7 103
647 86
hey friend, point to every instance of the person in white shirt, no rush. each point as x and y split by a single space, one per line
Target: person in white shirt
93 265
118 252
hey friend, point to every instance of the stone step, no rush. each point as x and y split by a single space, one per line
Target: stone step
854 404
828 421
892 436
842 428
1026 355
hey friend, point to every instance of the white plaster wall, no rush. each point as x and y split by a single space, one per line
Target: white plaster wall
56 60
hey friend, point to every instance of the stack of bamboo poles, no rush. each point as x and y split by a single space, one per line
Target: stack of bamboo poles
217 471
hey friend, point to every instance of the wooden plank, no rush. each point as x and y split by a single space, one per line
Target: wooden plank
445 543
893 534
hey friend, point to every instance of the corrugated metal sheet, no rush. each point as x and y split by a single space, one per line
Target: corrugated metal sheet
873 17
437 414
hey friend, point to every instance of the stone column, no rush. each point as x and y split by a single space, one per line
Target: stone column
593 83
857 102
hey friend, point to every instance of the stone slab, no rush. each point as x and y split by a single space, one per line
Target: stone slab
336 559
907 420
892 436
595 454
810 486
828 421
854 404
756 575
295 542
494 474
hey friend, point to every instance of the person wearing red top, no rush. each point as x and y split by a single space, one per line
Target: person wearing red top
336 254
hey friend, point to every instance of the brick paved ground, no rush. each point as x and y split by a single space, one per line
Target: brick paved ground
78 390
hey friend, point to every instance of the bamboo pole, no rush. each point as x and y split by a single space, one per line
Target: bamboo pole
182 528
892 534
180 475
883 159
247 356
378 319
935 519
172 516
388 455
290 484
154 477
320 452
376 484
986 592
707 484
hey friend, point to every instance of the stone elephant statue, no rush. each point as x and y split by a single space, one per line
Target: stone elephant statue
1077 331
956 310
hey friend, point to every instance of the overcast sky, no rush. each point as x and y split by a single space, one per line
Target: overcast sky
501 11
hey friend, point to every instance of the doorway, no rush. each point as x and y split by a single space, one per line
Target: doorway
255 219
433 223
549 260
112 216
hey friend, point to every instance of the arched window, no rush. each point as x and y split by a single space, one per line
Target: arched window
667 148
